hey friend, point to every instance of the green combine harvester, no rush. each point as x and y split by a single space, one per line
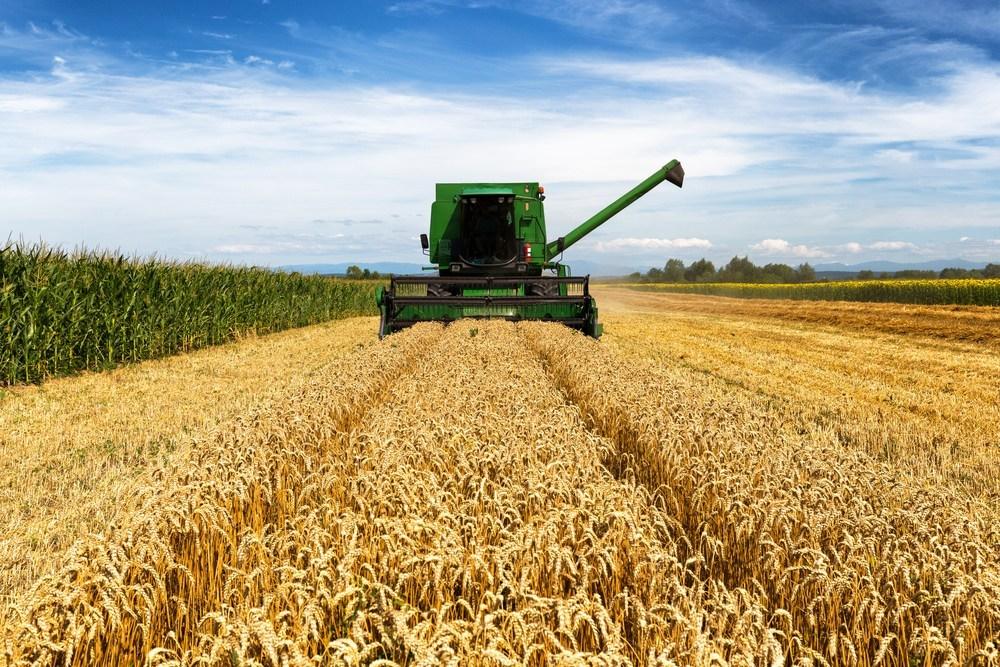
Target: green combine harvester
493 259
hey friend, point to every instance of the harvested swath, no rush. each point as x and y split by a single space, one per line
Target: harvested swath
959 324
74 450
62 313
854 562
923 406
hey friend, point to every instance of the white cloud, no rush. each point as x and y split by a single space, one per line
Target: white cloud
28 104
243 249
783 248
892 245
895 156
651 244
855 248
257 60
964 239
994 241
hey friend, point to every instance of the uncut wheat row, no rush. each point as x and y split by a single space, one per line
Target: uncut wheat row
496 494
72 451
854 562
150 582
468 521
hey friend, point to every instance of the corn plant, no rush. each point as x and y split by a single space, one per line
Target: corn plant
62 312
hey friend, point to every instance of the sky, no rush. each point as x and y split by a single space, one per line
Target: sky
272 132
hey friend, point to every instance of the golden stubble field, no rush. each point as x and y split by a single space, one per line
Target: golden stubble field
700 487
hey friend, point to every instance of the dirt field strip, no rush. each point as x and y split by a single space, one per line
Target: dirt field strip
855 562
73 451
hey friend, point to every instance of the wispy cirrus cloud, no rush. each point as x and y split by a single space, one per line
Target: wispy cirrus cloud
968 18
782 248
652 244
893 245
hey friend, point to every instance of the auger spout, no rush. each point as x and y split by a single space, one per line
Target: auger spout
672 172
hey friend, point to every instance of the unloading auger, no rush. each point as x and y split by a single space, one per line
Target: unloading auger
493 259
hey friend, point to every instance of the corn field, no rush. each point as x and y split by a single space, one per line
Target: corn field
972 292
62 313
490 493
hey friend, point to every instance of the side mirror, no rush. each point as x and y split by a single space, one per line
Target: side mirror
424 243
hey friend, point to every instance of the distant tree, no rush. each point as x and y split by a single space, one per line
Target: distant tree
654 275
673 272
992 271
954 273
866 275
806 273
915 274
738 270
700 271
635 276
354 272
775 273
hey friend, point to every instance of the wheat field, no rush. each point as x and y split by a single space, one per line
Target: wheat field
700 487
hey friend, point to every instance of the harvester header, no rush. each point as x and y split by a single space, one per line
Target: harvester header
488 244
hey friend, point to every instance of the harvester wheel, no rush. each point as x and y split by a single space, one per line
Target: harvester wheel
383 322
437 289
542 289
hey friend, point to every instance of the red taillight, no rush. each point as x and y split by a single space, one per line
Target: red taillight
527 251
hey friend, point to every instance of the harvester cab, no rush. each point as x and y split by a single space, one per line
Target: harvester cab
492 257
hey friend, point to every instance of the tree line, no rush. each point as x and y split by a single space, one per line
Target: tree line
738 270
355 272
742 270
990 271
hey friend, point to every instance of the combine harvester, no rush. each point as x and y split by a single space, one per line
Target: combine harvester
493 260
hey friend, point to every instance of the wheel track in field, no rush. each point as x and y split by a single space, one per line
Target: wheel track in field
707 452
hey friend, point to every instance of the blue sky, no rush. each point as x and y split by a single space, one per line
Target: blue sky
277 132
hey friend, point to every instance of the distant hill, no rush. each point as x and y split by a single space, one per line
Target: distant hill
583 267
580 267
881 265
397 268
